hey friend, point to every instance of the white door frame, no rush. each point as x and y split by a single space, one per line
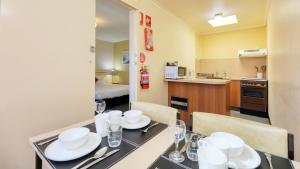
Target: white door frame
133 55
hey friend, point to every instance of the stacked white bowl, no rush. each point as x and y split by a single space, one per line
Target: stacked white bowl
74 138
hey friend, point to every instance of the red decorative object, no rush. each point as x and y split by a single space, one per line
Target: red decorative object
144 77
148 21
142 57
148 33
141 18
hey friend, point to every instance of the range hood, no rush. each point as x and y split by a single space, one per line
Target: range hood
253 53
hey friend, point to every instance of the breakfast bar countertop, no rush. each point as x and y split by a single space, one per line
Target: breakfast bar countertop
201 81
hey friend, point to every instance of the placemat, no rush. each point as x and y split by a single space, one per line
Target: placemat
277 162
165 163
138 138
132 139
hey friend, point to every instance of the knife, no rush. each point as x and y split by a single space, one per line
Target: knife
100 159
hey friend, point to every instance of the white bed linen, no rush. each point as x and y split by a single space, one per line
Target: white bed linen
106 91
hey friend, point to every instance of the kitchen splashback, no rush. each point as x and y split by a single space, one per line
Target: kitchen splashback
234 67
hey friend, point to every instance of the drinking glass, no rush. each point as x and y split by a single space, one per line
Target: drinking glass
114 135
177 130
101 105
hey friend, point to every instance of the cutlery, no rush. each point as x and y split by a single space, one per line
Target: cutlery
146 130
269 158
97 155
100 159
47 141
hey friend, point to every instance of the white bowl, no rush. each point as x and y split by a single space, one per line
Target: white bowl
236 144
74 138
133 116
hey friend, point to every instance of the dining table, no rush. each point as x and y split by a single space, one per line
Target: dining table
143 156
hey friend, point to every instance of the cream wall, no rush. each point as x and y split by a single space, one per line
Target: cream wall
227 44
173 41
284 64
46 70
104 55
104 59
122 75
218 52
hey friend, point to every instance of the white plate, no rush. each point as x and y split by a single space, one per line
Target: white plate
56 152
249 159
145 120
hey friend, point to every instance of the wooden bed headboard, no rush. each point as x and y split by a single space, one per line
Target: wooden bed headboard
101 73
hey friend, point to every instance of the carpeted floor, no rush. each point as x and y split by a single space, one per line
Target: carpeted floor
122 107
125 107
248 117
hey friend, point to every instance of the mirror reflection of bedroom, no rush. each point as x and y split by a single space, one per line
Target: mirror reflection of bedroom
112 56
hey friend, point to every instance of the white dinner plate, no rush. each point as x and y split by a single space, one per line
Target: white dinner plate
56 152
249 159
145 120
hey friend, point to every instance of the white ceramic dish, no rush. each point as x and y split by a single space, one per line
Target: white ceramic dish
144 121
218 142
74 138
236 144
211 158
133 116
56 152
249 159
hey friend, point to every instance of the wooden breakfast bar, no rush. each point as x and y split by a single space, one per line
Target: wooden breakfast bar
199 95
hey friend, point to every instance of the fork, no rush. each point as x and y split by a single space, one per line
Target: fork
146 129
269 158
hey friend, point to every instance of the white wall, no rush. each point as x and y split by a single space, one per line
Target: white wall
46 70
283 67
104 55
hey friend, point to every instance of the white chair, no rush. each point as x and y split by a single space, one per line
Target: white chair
263 137
156 112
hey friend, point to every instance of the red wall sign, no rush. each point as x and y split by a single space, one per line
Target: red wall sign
141 18
148 33
142 57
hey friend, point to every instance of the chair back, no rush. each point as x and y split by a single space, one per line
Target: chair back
262 137
156 112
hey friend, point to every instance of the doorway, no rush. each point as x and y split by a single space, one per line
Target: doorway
116 51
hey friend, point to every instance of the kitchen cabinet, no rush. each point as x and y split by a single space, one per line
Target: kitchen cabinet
235 94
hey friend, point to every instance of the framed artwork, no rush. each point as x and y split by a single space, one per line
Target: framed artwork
148 35
148 21
125 57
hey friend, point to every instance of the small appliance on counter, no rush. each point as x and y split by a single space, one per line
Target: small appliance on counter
173 71
254 97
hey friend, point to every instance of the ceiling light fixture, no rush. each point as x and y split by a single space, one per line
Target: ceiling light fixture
219 20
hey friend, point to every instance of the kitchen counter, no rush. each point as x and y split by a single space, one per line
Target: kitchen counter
201 81
199 95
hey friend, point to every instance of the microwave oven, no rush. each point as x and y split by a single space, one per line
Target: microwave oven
175 72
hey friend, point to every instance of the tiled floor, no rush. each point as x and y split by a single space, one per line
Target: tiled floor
248 117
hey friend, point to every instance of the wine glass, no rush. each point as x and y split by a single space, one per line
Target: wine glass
177 130
101 105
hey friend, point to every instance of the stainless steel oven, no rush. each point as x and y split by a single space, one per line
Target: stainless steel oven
254 97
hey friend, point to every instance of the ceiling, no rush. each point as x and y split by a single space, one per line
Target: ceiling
196 13
112 21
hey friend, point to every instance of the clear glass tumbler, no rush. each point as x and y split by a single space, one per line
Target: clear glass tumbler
114 135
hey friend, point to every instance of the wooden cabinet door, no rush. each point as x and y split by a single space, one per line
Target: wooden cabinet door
235 93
